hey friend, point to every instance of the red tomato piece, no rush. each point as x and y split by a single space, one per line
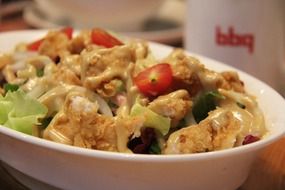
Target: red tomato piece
34 46
154 80
68 31
103 38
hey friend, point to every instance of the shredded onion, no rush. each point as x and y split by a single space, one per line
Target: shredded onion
19 65
18 56
103 106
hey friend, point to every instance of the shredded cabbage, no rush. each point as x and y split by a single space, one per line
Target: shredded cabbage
20 112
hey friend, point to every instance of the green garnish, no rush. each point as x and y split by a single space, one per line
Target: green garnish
46 121
182 123
20 112
10 87
154 148
242 106
120 86
40 72
112 105
204 104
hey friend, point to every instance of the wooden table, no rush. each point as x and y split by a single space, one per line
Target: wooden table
268 172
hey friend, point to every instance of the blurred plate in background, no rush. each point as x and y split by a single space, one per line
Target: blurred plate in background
164 27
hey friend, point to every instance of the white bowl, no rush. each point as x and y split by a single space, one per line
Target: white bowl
119 15
70 167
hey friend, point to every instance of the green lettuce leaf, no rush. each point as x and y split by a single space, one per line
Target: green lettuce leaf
20 112
204 104
152 119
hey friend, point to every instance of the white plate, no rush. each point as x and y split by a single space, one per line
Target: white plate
70 167
164 27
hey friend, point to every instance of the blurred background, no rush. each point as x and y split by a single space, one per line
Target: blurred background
160 20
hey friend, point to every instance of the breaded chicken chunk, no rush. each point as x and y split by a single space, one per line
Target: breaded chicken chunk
184 77
218 131
55 45
190 74
233 81
174 105
79 124
102 68
81 41
103 65
66 75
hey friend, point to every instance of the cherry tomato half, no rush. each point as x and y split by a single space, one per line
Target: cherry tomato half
34 46
103 38
154 80
68 31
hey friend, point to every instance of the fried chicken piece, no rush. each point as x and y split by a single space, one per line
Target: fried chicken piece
102 65
218 131
72 62
233 81
139 48
110 89
55 45
183 76
80 42
249 114
66 75
126 127
79 124
174 105
190 74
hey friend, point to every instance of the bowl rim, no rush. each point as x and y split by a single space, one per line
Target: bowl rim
151 158
35 141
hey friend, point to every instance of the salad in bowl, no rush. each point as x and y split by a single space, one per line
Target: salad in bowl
91 110
96 91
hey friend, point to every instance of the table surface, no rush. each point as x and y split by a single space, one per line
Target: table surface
267 173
